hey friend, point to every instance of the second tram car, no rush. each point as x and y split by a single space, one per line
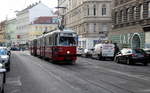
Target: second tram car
56 45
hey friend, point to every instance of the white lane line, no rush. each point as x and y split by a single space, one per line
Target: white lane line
15 81
15 91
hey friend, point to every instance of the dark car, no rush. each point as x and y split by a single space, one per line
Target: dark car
132 56
147 50
15 49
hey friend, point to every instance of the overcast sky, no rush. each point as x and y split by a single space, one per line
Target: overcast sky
8 7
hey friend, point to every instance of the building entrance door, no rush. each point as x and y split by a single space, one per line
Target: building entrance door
136 41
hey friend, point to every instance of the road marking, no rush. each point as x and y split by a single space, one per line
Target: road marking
15 91
14 81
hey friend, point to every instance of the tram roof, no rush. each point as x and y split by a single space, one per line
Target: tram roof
60 31
55 31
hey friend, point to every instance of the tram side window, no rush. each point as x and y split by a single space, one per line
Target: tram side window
50 41
55 39
47 41
38 44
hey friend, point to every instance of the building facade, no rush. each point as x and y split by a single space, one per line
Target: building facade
11 32
26 17
2 33
41 25
131 19
91 19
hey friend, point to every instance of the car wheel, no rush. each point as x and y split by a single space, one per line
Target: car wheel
100 57
129 62
145 63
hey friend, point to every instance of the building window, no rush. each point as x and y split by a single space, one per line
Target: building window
116 18
141 11
128 14
88 10
87 26
104 10
134 13
36 28
94 28
46 29
148 9
121 15
94 10
90 27
104 27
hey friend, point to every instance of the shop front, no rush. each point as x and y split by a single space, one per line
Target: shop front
129 40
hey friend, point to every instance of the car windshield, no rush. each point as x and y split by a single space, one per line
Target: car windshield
3 52
147 51
67 41
138 51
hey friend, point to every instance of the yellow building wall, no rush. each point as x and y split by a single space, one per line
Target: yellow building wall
2 40
37 30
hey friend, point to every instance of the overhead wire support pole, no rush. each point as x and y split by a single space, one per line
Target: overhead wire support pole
60 17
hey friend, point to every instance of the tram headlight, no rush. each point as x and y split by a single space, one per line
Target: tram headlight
68 52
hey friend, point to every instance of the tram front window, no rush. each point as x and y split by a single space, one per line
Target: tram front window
67 41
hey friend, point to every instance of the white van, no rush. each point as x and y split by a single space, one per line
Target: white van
102 51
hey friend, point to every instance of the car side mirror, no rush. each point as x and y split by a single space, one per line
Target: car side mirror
118 53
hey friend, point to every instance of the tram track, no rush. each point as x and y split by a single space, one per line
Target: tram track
75 72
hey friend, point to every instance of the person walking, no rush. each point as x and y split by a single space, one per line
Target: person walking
116 49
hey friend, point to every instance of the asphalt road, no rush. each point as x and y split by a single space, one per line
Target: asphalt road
30 74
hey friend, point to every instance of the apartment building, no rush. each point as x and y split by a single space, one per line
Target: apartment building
2 32
91 19
131 19
26 16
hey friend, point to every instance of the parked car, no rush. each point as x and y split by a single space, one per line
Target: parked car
15 49
5 59
2 78
132 56
80 51
7 49
147 50
87 52
102 51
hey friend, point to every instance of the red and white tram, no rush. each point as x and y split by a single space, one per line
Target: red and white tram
56 45
33 47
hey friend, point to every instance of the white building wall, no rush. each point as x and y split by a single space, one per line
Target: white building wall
39 10
147 38
25 17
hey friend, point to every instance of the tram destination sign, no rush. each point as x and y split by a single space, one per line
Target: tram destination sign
68 34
